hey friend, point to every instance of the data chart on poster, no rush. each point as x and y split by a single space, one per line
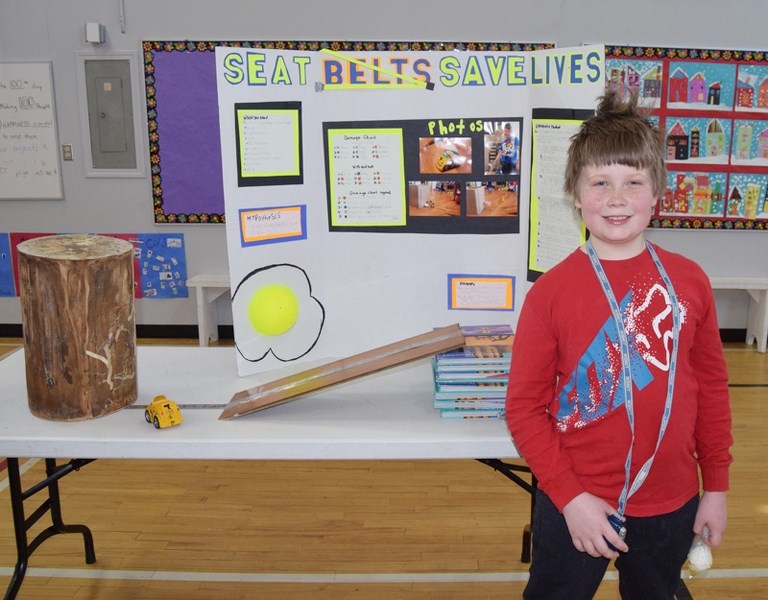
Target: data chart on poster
367 183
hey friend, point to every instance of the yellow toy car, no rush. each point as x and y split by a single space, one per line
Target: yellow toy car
162 412
448 160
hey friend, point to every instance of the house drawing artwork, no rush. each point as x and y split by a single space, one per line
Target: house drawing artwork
652 83
677 143
678 86
697 88
713 97
762 144
693 90
682 146
743 140
734 202
748 90
765 200
751 199
625 75
715 138
750 142
762 94
745 90
693 193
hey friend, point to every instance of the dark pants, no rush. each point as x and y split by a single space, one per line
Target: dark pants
658 547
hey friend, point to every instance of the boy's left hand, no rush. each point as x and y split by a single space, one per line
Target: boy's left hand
713 513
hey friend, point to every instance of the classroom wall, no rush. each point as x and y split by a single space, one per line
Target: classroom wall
52 30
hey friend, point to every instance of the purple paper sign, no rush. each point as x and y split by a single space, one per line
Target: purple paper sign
187 183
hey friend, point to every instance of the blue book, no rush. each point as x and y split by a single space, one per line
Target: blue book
472 414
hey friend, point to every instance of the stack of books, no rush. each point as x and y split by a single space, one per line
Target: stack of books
471 382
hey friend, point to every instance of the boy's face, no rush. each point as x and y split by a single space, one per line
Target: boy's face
616 203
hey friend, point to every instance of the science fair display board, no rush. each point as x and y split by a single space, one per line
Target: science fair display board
370 196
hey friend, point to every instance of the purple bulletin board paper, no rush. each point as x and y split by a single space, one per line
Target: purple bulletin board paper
187 133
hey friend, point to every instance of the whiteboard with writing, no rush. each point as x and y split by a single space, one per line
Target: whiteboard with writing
29 149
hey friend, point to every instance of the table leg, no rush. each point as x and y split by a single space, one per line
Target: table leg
510 472
22 524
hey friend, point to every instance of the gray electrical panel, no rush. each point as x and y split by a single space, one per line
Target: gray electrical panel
110 114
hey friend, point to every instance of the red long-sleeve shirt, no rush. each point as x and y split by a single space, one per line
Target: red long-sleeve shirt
565 401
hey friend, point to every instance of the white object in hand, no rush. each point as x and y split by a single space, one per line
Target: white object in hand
700 555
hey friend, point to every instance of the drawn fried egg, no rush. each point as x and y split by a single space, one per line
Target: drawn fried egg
274 312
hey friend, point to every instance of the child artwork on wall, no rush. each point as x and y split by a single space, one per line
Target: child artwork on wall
712 107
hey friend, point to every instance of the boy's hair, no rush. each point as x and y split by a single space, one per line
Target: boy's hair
618 134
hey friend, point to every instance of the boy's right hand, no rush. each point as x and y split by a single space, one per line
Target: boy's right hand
587 519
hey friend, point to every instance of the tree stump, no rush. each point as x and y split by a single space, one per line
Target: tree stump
79 325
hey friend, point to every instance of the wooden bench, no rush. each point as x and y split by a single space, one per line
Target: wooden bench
208 289
757 319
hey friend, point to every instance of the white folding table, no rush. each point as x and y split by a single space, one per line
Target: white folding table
386 415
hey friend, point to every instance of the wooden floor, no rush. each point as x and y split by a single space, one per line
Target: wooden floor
378 530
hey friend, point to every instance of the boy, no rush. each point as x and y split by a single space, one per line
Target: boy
506 156
617 335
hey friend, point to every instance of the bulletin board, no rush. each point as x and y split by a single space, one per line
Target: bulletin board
29 148
393 223
159 263
182 114
712 106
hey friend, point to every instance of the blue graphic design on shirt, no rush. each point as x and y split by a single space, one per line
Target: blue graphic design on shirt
508 151
595 387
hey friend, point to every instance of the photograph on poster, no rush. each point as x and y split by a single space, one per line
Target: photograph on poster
711 106
434 199
442 154
502 147
492 199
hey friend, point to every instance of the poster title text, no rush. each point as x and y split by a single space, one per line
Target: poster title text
451 70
